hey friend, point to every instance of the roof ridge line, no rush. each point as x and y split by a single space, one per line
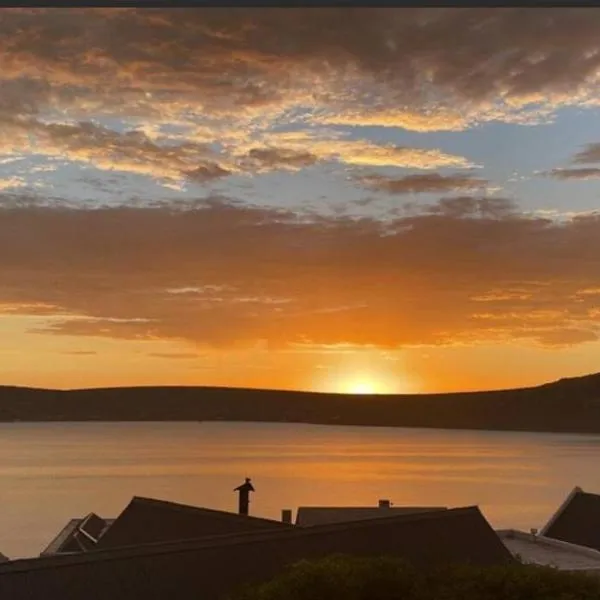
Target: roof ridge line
192 507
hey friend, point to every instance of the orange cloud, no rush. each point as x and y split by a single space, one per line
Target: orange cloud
268 158
131 151
364 153
8 183
249 276
303 148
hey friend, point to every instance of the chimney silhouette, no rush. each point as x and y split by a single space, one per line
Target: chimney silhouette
244 496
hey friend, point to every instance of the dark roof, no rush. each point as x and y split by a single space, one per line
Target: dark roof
577 521
92 527
3 558
212 567
62 539
78 535
308 516
146 520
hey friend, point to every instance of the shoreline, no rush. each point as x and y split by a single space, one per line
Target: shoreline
296 423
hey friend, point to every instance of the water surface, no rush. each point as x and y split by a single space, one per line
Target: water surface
50 473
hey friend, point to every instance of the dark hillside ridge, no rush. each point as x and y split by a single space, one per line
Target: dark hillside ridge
568 405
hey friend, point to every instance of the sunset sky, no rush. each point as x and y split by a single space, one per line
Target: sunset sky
389 200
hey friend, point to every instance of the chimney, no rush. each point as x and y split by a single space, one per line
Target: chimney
286 516
244 496
384 504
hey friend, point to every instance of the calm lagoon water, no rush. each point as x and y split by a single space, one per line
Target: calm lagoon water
50 473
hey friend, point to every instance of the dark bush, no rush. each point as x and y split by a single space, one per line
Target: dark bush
352 578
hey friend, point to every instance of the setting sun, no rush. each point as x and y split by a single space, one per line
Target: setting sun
366 373
363 387
366 384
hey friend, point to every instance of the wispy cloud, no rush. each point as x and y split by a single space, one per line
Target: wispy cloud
590 154
584 173
8 183
131 151
422 183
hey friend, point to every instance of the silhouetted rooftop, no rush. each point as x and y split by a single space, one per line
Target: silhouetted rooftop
147 520
212 567
309 516
78 535
577 520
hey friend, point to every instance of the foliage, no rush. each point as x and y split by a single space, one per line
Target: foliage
351 578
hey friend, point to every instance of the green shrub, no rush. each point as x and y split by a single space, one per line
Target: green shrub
351 578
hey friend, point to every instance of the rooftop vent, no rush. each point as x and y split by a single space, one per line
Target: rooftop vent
384 504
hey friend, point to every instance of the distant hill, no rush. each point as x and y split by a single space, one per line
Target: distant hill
567 405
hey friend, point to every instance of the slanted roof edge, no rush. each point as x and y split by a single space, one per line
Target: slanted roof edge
559 511
61 537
